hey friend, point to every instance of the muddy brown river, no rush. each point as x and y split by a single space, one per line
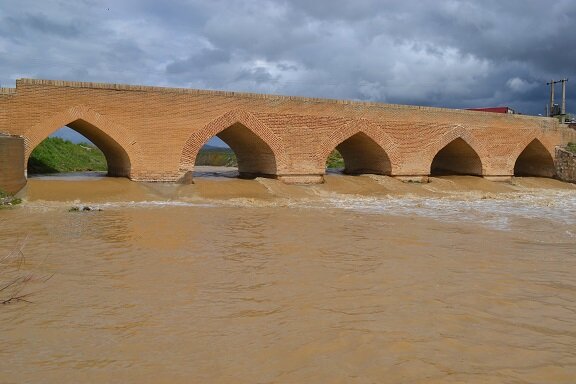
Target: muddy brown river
359 280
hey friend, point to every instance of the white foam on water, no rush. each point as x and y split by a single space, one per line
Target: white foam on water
152 204
494 211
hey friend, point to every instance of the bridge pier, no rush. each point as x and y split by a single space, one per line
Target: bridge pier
12 168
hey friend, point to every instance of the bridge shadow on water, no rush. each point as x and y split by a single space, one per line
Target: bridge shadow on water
69 176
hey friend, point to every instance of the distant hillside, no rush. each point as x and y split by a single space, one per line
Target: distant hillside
216 156
56 155
210 148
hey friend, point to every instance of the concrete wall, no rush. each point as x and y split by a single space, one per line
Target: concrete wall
12 177
151 133
565 165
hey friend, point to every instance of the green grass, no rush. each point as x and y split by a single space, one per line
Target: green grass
56 155
571 147
216 156
335 160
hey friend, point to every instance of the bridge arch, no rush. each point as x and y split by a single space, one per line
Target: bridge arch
259 151
121 150
456 154
535 160
365 148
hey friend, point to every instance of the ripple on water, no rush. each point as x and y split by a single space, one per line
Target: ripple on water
307 287
493 210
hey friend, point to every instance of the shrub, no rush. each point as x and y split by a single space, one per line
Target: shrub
335 160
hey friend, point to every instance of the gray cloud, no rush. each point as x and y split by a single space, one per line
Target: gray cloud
200 60
453 53
31 25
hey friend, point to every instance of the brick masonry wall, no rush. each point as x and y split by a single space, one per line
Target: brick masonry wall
565 165
160 130
12 177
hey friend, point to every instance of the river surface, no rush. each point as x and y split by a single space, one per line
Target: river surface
359 280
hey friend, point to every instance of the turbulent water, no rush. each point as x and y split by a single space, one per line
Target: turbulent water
359 280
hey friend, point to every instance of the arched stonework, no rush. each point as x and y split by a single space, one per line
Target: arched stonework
457 158
523 141
237 120
458 132
121 150
535 160
373 131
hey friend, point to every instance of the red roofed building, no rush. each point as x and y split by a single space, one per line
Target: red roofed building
493 110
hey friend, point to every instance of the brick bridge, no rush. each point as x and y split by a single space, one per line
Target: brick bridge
154 134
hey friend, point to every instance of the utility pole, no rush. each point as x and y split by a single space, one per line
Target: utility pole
551 96
563 111
563 108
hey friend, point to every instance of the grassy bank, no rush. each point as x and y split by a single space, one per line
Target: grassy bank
335 160
55 155
216 156
571 147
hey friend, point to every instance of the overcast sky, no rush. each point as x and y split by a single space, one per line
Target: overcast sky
445 53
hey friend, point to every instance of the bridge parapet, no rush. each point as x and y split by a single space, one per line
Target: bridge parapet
7 91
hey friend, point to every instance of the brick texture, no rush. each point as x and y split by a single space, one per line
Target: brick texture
566 165
154 134
11 164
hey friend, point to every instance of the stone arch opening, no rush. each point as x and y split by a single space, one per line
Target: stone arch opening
535 160
360 154
117 159
456 158
249 153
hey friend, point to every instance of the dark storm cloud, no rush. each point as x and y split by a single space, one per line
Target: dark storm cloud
33 24
452 53
257 74
199 60
537 32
